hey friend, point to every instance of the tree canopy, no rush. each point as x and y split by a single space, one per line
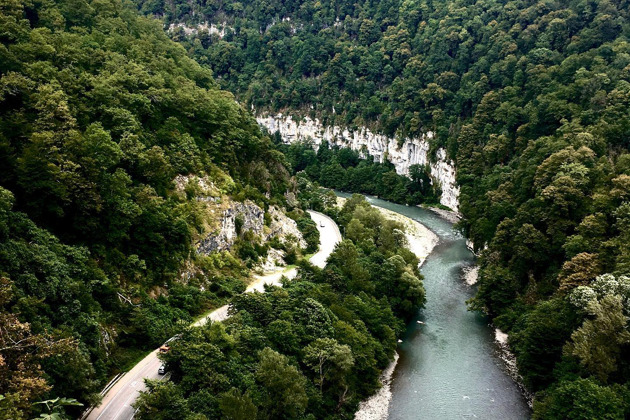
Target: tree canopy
530 98
99 113
313 348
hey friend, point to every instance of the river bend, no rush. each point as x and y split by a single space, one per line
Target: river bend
449 366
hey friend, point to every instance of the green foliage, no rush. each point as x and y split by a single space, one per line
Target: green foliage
249 248
538 340
341 168
55 406
22 351
310 233
581 399
314 348
531 100
99 113
283 386
598 343
235 406
156 322
312 196
329 359
164 401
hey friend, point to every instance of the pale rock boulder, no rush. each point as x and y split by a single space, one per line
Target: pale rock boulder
275 259
211 28
207 190
284 228
253 219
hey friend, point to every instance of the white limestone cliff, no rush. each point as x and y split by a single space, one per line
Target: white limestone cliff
411 152
211 28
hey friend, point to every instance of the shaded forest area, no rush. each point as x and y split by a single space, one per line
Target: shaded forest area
345 169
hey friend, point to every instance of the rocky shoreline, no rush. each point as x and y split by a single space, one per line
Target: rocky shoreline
470 274
420 240
509 363
504 353
377 406
448 215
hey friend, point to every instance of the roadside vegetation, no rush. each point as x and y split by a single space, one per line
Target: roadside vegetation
313 348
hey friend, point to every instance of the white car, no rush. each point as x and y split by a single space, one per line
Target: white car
161 370
321 224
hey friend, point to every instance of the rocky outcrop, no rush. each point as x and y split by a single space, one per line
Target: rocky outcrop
204 188
275 259
291 198
402 154
284 228
211 28
221 28
250 218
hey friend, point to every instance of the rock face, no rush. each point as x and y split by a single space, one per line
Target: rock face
211 28
207 190
411 152
284 228
252 218
275 259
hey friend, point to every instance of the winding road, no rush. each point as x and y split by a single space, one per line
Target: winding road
117 401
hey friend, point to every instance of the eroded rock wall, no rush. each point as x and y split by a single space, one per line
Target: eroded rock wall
253 220
410 152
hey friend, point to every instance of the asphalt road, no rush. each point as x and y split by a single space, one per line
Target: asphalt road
116 404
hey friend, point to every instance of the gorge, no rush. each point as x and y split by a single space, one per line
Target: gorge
160 157
402 153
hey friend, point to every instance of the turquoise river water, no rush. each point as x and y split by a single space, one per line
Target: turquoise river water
449 366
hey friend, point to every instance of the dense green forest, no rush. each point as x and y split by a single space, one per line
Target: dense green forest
530 98
99 112
312 349
344 169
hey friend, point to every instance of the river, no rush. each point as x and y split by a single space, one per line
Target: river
449 366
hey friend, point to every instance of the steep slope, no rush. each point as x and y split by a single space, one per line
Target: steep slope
100 116
529 98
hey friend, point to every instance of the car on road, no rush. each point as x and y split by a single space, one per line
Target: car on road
164 348
321 224
162 370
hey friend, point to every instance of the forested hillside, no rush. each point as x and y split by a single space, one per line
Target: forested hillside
312 349
99 113
531 99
